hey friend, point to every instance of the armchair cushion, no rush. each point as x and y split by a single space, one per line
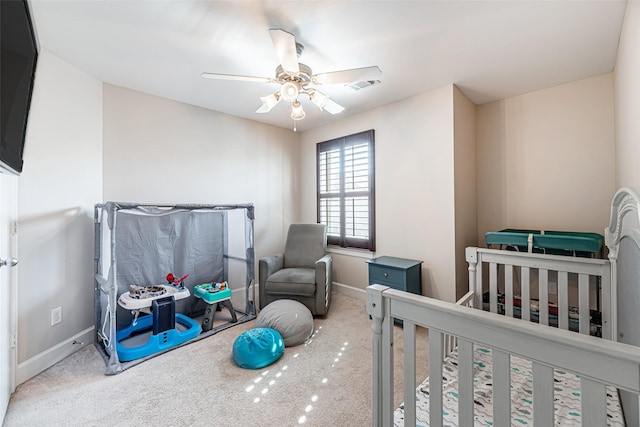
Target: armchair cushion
293 281
306 244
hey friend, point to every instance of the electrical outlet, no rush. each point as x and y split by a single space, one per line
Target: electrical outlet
553 287
56 316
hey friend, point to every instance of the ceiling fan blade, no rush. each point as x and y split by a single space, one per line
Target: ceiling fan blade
285 44
347 76
333 107
217 76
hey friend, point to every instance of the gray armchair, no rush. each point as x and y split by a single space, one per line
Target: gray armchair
302 272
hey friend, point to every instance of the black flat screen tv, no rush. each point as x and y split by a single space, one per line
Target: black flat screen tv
17 72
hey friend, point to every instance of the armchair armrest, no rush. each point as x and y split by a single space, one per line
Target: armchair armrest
269 265
323 270
266 267
324 281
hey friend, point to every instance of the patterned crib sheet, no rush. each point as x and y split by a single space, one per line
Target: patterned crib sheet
566 395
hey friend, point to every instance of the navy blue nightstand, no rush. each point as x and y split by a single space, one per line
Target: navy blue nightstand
397 273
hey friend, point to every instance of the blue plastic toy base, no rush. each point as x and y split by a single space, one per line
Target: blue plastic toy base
163 341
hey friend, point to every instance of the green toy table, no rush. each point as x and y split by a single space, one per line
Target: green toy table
551 242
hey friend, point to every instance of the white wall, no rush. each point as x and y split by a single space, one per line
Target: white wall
60 183
414 187
161 151
546 159
627 95
541 160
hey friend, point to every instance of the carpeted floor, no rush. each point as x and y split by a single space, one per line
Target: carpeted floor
324 382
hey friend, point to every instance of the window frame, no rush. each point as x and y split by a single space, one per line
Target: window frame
341 144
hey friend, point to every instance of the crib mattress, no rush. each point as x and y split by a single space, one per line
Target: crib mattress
566 395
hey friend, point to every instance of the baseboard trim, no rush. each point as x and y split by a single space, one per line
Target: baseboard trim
341 288
46 359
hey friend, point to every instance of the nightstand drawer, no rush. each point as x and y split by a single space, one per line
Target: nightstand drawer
385 275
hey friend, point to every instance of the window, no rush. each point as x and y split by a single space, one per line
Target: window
346 202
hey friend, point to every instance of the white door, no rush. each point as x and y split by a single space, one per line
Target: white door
8 204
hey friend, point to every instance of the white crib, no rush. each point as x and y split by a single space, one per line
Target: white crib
599 366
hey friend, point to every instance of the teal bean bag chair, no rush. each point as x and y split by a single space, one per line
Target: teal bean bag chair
257 348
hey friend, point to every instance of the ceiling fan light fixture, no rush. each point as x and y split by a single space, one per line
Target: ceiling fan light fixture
290 91
319 99
268 102
295 77
297 113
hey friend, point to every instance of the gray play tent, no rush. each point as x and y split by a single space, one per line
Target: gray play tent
140 244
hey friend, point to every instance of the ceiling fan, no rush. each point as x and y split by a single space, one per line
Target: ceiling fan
296 78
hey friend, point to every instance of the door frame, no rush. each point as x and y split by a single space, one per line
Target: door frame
13 295
10 185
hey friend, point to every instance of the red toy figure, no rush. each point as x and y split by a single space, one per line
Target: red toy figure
171 279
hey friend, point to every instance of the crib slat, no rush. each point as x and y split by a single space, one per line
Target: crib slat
583 303
508 284
543 296
452 343
409 335
594 403
542 395
605 292
525 293
448 345
465 382
501 388
563 300
435 378
493 287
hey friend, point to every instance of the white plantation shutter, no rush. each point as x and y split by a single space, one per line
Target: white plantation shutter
346 190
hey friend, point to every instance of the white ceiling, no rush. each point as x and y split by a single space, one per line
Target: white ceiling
489 49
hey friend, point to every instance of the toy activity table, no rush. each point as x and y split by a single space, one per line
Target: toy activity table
549 242
213 294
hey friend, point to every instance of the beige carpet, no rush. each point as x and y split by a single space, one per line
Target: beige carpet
325 382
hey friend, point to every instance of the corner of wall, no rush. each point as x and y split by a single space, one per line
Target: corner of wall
465 178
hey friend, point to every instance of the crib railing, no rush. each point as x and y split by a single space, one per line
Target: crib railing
591 276
598 362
